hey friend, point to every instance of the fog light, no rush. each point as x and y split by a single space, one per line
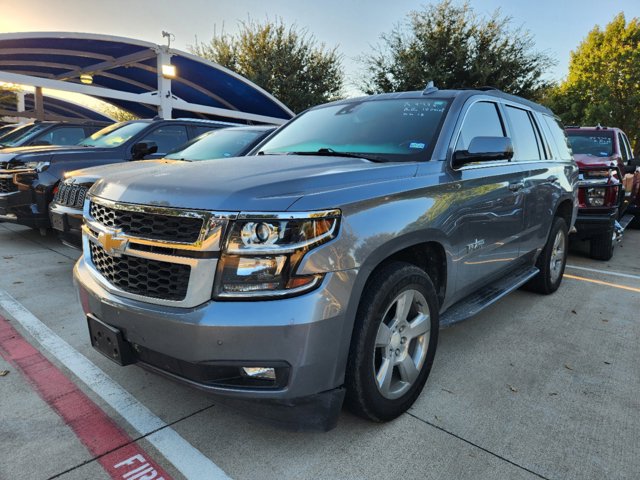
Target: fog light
259 372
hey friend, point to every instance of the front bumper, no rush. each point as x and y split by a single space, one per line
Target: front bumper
592 224
308 334
25 205
67 221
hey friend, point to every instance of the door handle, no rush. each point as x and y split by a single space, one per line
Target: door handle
514 187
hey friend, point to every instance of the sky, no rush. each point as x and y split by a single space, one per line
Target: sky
354 26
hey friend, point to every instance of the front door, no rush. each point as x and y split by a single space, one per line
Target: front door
485 232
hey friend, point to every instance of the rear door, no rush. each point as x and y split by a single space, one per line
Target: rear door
489 211
541 181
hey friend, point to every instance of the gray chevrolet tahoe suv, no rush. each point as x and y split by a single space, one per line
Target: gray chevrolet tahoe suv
321 268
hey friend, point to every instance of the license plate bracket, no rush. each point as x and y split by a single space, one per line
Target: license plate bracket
109 341
59 222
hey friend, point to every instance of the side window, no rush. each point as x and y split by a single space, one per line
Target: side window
482 120
200 130
628 144
624 152
62 136
559 137
525 140
167 137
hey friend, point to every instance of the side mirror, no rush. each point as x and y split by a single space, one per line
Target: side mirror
484 149
632 165
142 149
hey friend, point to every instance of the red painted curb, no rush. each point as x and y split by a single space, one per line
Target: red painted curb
118 455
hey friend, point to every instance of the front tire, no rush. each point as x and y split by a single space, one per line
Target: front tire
552 260
394 342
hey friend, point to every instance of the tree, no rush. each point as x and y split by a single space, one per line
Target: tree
603 84
454 47
285 61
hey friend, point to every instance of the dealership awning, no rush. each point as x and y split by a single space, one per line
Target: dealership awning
53 109
141 77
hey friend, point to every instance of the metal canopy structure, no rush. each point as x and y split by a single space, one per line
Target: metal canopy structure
53 109
128 73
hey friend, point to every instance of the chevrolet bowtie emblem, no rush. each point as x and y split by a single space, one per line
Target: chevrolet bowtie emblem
112 243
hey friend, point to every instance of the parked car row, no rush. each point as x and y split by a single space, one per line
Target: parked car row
29 176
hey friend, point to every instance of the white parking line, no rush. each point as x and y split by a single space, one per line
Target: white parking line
606 272
184 456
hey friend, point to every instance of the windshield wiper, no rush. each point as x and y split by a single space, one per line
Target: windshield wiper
330 152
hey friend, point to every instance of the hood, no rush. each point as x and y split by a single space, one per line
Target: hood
92 174
584 161
255 183
26 154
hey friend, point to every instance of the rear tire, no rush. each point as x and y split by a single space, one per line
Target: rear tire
601 246
552 260
394 342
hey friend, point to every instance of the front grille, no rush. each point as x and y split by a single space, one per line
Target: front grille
141 276
149 225
71 195
7 185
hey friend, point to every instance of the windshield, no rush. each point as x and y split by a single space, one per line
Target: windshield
596 144
220 143
15 137
114 135
381 130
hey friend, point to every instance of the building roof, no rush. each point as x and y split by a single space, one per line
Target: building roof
129 67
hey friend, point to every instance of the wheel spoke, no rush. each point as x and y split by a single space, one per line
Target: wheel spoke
385 373
384 336
403 305
418 326
408 370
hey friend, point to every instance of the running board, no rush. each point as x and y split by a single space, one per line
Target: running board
474 303
620 226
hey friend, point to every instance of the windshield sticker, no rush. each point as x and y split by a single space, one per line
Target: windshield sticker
419 146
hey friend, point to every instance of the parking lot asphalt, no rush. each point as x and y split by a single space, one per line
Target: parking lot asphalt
533 387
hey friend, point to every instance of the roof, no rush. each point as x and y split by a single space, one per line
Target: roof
130 66
449 94
56 107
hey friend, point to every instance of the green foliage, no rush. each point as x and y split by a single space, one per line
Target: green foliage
454 47
285 61
603 85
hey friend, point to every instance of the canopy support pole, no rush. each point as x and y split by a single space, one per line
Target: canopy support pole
39 104
164 85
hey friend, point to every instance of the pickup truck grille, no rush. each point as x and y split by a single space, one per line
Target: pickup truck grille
148 225
71 195
141 276
7 185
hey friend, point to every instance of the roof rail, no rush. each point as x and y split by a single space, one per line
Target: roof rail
218 122
486 88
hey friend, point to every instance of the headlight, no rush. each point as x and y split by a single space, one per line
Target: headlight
595 196
262 253
37 166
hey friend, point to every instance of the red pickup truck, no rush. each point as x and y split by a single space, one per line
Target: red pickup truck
608 195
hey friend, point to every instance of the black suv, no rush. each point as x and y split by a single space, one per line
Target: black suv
48 133
29 176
